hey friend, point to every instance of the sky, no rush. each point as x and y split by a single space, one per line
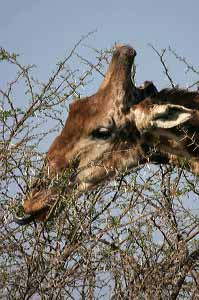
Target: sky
44 31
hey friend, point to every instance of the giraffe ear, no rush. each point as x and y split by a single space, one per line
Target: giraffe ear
161 116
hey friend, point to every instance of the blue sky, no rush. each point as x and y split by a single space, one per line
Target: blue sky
44 31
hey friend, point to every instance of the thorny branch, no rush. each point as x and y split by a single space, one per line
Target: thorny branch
133 238
162 60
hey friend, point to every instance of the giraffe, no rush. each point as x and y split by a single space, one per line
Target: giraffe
113 131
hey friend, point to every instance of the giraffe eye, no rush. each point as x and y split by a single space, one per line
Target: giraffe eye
102 133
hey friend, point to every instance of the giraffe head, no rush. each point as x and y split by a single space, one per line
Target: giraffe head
108 133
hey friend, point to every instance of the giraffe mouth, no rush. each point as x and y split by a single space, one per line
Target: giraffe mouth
36 206
41 202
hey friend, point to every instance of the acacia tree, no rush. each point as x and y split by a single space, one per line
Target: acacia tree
132 238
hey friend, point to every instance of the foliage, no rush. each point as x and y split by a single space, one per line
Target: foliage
133 238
